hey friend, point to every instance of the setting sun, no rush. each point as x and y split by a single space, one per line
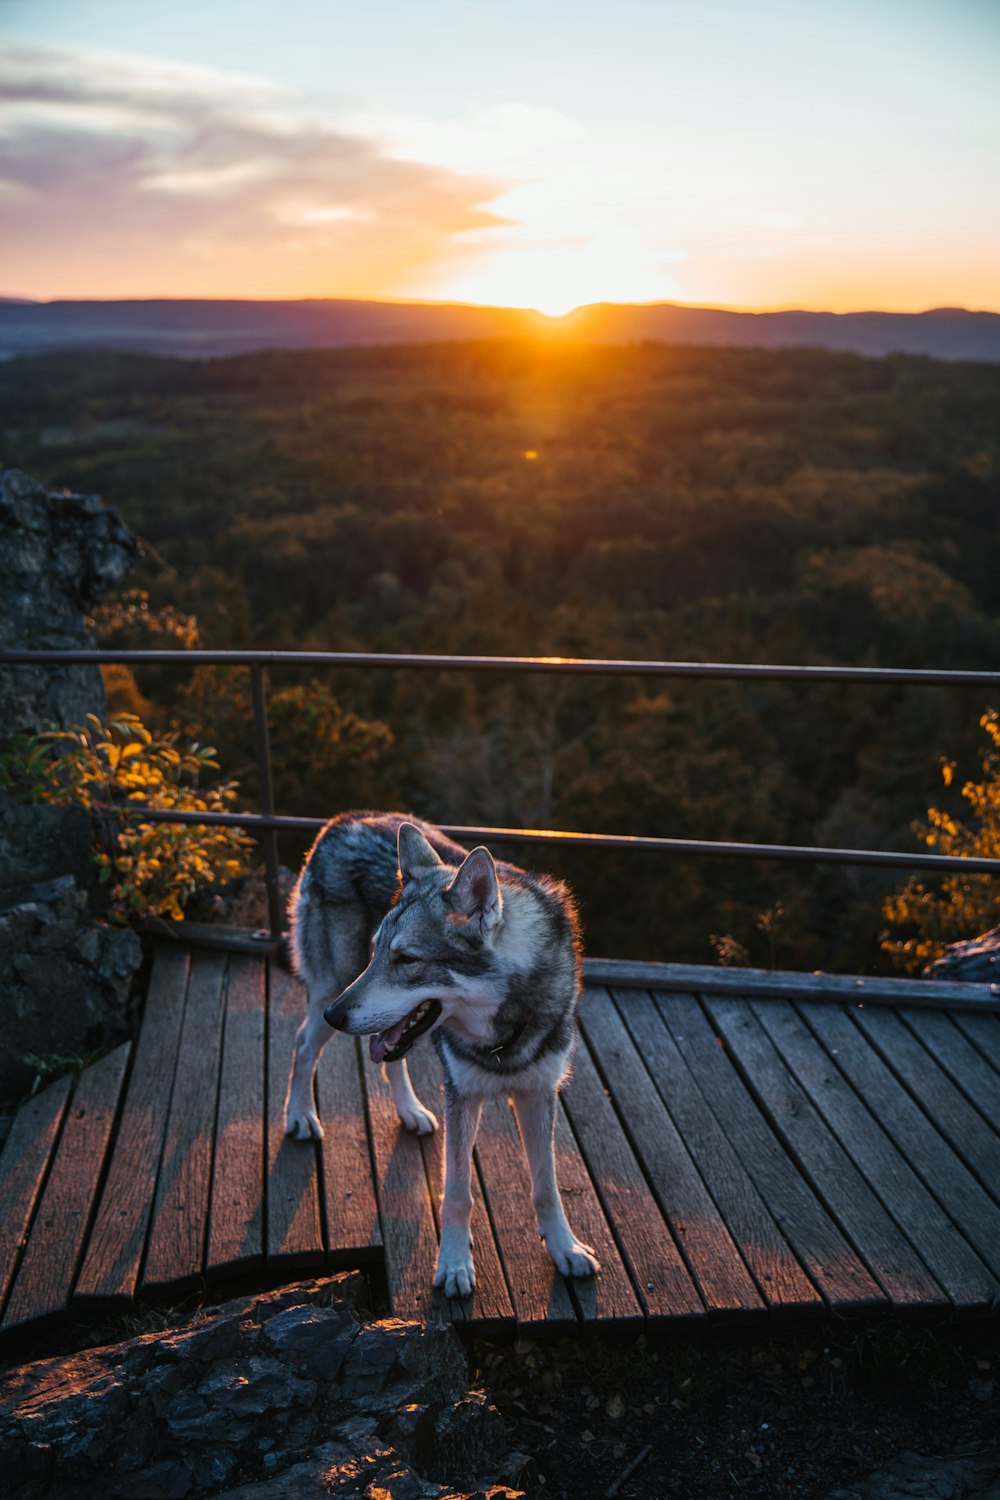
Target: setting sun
597 264
555 280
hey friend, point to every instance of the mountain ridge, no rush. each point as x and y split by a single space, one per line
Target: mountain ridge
212 327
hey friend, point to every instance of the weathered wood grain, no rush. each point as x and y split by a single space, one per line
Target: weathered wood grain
609 1298
956 1268
955 1053
783 1283
175 1253
945 1175
110 1271
537 1290
191 936
23 1165
294 1227
670 1234
490 1304
818 1131
983 1032
747 983
825 1252
821 1159
354 1233
405 1205
45 1278
236 1209
975 1141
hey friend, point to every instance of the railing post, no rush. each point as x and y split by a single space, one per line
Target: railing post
269 837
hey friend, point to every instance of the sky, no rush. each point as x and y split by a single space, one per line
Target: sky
838 154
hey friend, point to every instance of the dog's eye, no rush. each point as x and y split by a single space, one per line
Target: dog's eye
407 958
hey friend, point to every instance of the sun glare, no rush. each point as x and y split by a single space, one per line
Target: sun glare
555 279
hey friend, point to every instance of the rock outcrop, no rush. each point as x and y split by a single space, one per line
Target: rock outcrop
288 1394
64 978
976 961
59 554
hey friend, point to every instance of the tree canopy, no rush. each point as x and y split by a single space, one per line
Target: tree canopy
514 497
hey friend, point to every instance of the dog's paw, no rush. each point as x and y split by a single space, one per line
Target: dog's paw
303 1125
416 1118
573 1258
455 1275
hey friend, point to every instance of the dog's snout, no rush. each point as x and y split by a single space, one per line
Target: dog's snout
335 1015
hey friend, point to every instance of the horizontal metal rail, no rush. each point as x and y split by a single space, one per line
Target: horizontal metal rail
590 666
636 843
267 823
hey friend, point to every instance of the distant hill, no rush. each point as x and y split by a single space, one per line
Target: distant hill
209 327
945 332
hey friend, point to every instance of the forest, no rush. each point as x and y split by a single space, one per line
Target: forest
558 498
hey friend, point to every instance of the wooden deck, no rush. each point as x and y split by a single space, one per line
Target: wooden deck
734 1145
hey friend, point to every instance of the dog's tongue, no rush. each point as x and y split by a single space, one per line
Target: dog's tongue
380 1042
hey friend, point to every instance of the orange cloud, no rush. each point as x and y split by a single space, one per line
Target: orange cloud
126 176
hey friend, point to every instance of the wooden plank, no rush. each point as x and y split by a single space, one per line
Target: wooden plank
787 984
679 1251
490 1302
537 1290
609 1299
175 1252
236 1209
945 1105
409 1236
974 1212
823 1161
45 1277
292 1213
23 1164
110 1270
963 1062
785 1286
827 1256
983 1032
252 942
953 1264
350 1208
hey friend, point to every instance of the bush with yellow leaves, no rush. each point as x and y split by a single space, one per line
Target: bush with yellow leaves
965 905
147 868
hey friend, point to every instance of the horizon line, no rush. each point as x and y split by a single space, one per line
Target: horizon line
389 301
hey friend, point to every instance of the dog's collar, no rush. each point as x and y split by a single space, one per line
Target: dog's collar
510 1041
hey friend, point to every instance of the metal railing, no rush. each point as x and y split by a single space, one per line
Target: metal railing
268 823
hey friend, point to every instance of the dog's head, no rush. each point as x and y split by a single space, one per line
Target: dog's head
432 954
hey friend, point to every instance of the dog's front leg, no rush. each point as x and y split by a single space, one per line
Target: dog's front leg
536 1115
408 1107
455 1272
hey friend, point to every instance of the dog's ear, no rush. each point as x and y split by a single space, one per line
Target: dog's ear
475 891
416 857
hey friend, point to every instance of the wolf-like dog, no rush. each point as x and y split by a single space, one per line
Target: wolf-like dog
397 932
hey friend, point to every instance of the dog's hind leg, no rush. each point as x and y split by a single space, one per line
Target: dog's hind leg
414 1115
455 1271
301 1118
330 945
536 1115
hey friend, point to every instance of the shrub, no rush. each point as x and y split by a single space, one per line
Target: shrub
965 905
148 869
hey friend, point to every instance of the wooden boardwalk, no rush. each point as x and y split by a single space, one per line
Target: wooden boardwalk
734 1145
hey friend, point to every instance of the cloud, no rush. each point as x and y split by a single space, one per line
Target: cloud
498 138
124 175
71 75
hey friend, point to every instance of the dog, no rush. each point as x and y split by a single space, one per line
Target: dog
482 956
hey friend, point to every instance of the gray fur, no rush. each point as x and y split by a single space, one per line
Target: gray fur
398 930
